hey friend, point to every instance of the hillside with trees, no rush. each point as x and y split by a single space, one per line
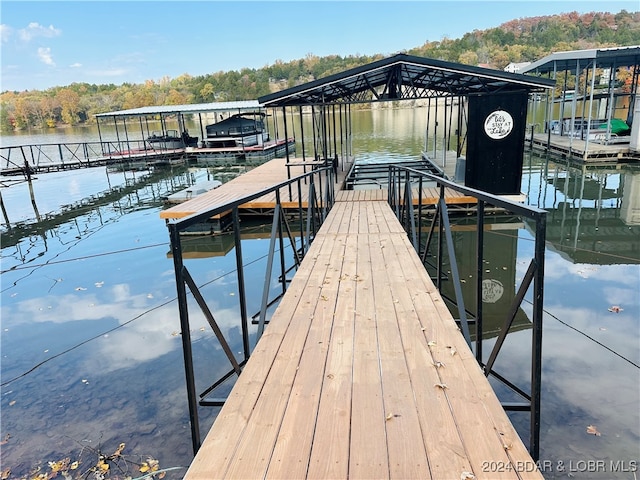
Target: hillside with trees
519 40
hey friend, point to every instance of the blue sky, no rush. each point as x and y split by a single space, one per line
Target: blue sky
52 43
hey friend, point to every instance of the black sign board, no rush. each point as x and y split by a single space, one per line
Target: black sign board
495 142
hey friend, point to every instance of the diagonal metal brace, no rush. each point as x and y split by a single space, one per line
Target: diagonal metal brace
454 271
517 301
212 321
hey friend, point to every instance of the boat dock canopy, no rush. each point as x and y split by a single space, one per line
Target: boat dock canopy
404 77
581 59
177 109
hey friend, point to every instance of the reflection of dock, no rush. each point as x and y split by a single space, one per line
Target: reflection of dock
576 148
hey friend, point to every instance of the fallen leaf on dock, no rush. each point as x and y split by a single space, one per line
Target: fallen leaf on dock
467 476
389 417
438 364
592 430
440 385
452 350
431 344
615 309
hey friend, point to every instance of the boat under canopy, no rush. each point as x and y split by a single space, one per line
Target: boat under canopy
239 130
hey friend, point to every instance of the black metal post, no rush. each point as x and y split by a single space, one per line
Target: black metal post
538 311
242 295
479 276
176 250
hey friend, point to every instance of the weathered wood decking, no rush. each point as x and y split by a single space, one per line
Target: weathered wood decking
362 373
274 172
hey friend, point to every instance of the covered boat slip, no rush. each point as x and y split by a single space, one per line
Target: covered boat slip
591 120
362 373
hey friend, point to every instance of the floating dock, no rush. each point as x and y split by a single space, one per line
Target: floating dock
362 373
577 149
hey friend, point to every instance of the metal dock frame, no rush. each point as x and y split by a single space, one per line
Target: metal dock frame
412 212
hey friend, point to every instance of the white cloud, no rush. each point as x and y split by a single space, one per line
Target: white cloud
5 32
34 30
44 54
75 65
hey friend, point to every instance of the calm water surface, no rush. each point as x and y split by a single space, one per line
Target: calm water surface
91 355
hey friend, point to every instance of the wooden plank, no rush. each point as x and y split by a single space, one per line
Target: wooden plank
290 458
330 450
488 435
255 447
406 451
345 382
232 421
445 451
368 448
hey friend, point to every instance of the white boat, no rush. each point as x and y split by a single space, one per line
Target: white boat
193 191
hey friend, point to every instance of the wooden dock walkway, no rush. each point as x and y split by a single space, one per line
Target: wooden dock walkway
274 172
362 373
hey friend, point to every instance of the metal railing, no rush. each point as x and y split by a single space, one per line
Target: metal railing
47 156
407 199
290 217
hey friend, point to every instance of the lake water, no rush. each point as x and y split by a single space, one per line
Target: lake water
92 358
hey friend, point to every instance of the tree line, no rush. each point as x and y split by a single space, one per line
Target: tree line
520 40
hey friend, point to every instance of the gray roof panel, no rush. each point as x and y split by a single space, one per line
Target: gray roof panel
192 108
581 59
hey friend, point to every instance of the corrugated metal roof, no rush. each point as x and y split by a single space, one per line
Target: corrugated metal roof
191 108
581 59
404 77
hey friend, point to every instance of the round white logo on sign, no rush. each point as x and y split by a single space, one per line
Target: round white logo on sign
492 290
498 124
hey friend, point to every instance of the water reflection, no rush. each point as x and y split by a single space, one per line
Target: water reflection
594 211
501 270
591 352
91 354
88 299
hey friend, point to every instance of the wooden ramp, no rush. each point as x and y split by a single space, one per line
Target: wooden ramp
362 373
